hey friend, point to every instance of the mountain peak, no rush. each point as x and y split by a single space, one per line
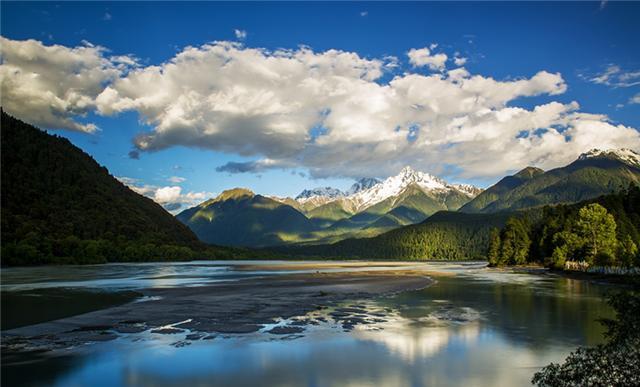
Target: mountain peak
234 193
395 185
412 173
362 184
407 170
626 155
409 175
327 192
528 172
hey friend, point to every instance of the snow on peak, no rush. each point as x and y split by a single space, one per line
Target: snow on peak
367 192
468 189
626 155
361 185
325 192
395 185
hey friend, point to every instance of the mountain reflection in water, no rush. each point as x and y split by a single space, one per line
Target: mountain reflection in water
475 326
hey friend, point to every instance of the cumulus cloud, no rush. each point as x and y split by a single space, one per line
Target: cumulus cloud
331 113
170 197
166 195
51 86
635 99
423 57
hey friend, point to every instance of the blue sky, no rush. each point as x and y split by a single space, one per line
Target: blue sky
503 41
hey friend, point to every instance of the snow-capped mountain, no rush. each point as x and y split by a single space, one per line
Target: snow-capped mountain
327 192
361 185
334 193
367 192
626 155
395 185
468 189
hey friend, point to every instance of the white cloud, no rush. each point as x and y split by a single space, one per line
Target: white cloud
459 61
423 57
107 16
51 86
127 60
635 99
166 195
176 179
391 62
331 113
170 197
364 13
240 34
615 76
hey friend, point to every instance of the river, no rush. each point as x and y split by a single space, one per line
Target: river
474 326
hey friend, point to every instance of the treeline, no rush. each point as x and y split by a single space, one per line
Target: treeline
60 206
604 231
443 236
37 250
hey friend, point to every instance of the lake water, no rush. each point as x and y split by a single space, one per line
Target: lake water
513 324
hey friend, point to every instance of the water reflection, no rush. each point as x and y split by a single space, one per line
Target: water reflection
475 328
410 344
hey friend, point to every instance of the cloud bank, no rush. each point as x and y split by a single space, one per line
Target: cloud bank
330 112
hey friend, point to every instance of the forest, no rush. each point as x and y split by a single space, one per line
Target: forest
604 232
445 235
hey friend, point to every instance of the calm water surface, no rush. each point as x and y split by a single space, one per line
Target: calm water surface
474 327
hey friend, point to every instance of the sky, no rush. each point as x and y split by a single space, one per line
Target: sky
184 100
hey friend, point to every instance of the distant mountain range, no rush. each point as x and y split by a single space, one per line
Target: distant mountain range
324 214
329 193
60 206
594 173
372 207
596 176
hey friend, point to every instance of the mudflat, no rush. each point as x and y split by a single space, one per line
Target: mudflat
238 307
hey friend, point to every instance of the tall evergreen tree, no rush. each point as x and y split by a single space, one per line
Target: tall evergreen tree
597 229
493 255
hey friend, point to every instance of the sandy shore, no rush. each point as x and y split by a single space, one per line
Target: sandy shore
238 307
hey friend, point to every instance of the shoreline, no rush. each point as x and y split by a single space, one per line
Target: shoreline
612 279
301 259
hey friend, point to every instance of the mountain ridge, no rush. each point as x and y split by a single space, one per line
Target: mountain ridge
593 173
373 207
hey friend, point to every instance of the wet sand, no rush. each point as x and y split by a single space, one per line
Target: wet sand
238 307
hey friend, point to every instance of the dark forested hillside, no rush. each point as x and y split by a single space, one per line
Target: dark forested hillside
443 236
60 206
